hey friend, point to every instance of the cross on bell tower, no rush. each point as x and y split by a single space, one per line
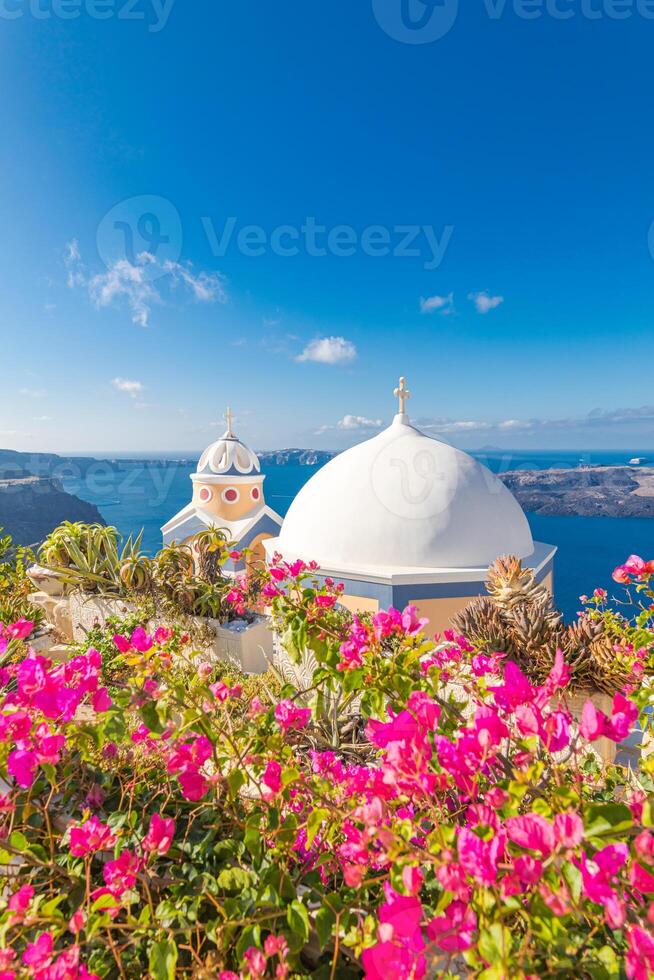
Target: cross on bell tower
229 418
403 394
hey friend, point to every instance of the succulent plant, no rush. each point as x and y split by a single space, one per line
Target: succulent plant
518 618
89 556
136 573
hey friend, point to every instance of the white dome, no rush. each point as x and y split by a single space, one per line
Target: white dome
228 456
404 500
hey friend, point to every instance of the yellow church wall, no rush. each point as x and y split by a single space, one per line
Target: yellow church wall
357 603
223 508
440 612
257 551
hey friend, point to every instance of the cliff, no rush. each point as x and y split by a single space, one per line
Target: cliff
31 506
598 491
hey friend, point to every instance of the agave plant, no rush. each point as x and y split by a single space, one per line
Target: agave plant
518 618
136 573
89 556
173 563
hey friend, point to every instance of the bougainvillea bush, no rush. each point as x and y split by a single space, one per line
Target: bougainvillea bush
418 809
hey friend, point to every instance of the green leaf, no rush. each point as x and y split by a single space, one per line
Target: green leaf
572 877
325 921
316 818
495 943
163 960
18 841
235 780
298 920
234 879
607 819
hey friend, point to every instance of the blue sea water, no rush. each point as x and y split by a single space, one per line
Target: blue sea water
589 547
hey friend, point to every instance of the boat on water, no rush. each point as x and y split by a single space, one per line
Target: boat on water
638 461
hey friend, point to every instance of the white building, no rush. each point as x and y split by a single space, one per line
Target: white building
227 493
404 518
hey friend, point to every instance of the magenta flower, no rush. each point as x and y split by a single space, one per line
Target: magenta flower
454 930
533 832
90 837
38 955
160 834
141 641
568 829
288 716
22 765
20 630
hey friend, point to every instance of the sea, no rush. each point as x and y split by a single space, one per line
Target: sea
589 548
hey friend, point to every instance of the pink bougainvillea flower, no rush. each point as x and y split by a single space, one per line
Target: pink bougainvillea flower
121 642
20 630
162 634
516 689
387 959
120 875
256 962
101 701
639 962
593 722
454 930
193 784
412 879
160 834
533 832
288 715
568 829
22 765
20 902
141 641
622 719
90 837
38 955
271 779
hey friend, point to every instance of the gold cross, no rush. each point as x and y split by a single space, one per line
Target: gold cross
229 418
403 394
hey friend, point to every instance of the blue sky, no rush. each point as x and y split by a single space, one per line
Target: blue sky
511 158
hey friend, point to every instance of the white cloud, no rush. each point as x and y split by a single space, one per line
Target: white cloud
205 287
354 422
42 418
515 424
329 350
124 280
131 388
441 304
139 284
73 261
32 392
485 302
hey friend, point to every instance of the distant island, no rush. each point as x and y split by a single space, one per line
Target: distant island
32 506
587 491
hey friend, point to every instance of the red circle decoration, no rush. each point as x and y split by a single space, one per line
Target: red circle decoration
255 493
230 495
205 494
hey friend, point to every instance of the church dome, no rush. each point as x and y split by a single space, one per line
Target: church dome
228 456
404 500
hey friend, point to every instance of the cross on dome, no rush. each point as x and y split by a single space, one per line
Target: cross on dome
229 418
403 394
